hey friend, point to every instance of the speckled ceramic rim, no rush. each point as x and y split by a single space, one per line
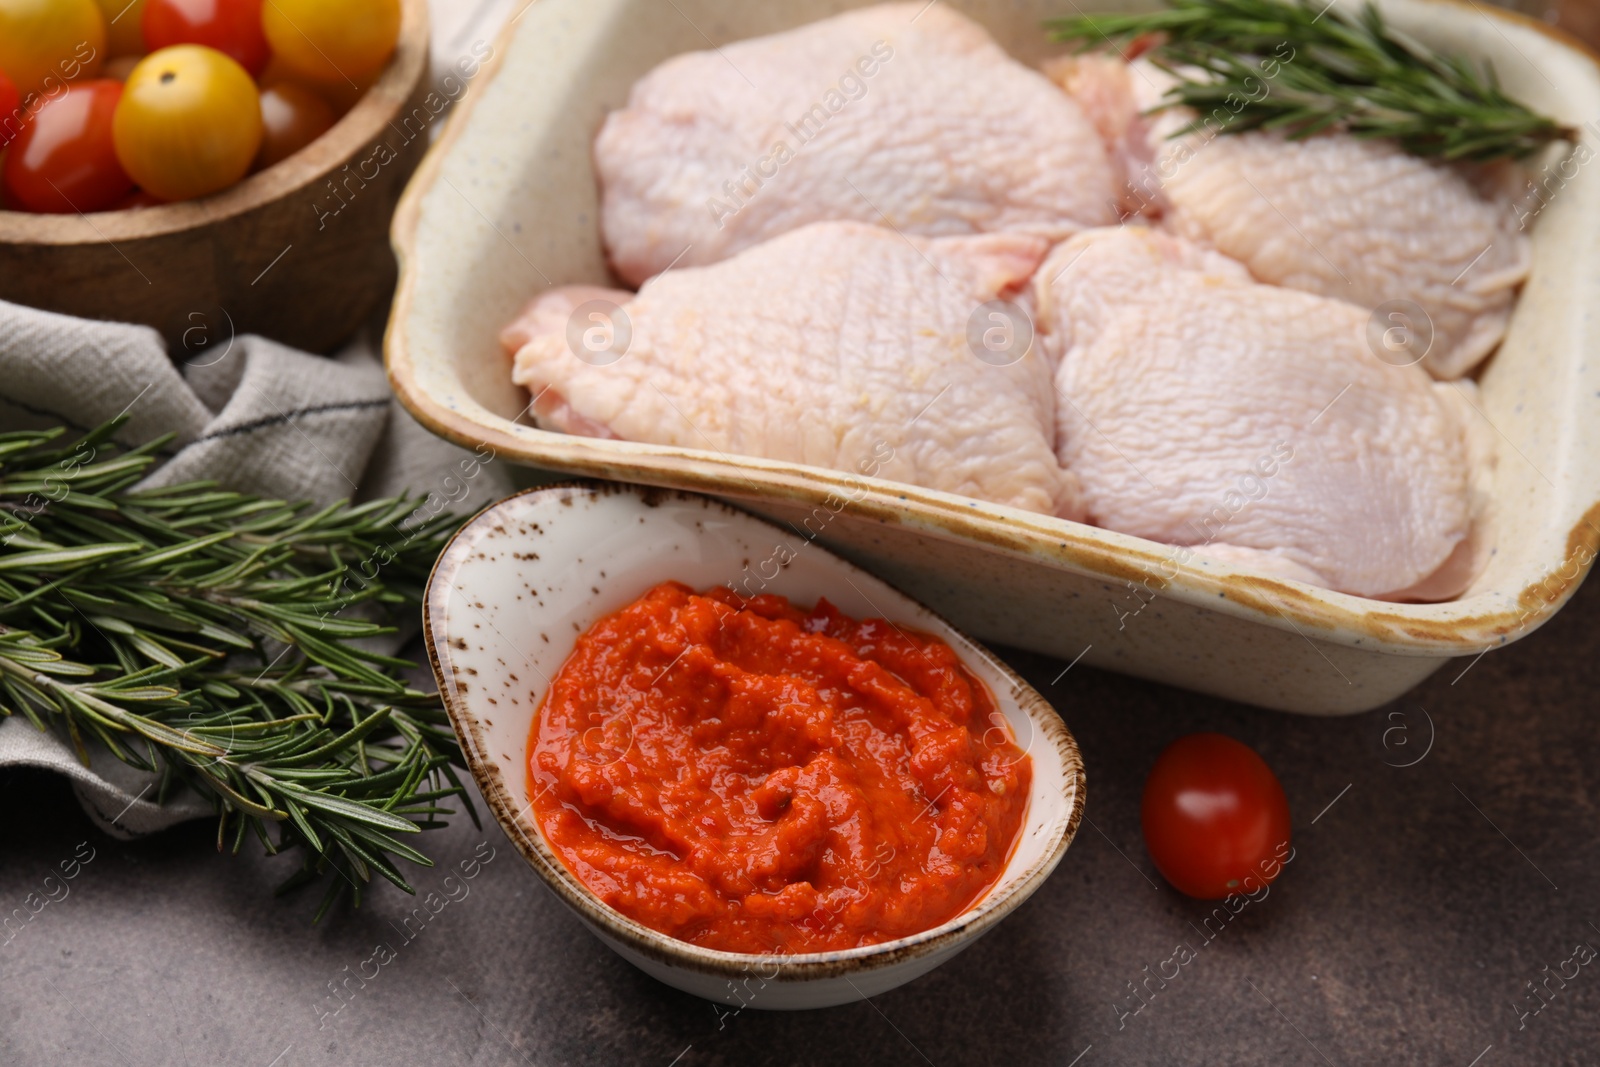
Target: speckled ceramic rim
1465 626
530 842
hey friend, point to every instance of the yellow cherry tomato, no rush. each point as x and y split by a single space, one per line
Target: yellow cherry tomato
332 41
123 35
189 123
46 43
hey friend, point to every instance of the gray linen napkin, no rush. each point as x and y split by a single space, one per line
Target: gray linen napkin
249 413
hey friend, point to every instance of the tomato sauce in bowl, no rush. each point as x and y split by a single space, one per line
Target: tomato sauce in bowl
743 775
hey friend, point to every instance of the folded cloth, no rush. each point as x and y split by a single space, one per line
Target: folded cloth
248 413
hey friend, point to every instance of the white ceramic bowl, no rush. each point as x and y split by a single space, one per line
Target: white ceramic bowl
506 204
505 605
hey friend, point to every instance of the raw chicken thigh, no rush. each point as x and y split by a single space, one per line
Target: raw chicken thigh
838 345
1360 220
905 115
1199 407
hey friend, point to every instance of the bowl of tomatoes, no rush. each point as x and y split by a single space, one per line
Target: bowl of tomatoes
209 166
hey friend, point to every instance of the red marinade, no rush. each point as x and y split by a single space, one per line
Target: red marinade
746 776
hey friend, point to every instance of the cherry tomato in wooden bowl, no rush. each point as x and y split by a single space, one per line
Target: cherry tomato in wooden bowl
292 116
120 67
332 42
189 123
64 160
1216 821
232 27
341 96
46 43
124 30
137 199
11 113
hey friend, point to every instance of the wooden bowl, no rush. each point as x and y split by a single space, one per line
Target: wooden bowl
298 252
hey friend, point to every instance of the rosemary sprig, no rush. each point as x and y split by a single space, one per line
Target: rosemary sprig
218 639
1302 66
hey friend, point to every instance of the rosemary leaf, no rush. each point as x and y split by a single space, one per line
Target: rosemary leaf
208 636
1303 66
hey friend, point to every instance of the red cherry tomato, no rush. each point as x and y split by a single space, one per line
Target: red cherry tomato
232 27
65 159
1215 819
11 113
291 118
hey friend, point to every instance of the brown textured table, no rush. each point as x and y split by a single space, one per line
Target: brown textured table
1421 902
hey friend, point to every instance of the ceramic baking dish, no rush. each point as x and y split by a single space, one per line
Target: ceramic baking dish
506 203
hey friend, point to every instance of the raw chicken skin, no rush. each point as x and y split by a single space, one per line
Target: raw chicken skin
839 345
905 115
1360 220
1199 407
1104 87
